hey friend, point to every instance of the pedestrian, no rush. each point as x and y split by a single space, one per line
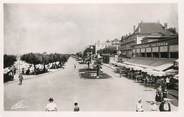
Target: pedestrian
159 95
139 106
153 106
120 72
167 82
165 106
165 93
74 66
20 78
76 107
51 106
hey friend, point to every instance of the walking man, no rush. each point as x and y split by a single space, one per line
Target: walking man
20 79
167 80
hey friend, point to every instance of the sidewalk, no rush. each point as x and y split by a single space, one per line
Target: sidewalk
174 100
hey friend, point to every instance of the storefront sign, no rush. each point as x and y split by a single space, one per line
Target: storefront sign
163 48
148 49
138 50
155 49
134 50
143 49
173 48
157 44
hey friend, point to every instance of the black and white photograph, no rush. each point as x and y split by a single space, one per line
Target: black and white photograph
91 57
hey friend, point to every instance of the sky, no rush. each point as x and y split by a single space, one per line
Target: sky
69 28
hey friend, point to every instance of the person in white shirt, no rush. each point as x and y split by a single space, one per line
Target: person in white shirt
51 106
167 80
153 106
139 106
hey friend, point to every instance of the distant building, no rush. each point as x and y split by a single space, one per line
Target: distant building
144 33
115 43
109 43
99 45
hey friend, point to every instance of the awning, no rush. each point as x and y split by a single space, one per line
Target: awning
163 67
155 73
171 72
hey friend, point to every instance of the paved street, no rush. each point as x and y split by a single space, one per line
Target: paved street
66 87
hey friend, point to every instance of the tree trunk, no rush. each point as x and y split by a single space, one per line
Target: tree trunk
88 65
44 68
34 68
98 70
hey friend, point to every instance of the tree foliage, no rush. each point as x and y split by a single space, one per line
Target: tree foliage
90 49
37 58
79 54
108 50
32 58
172 30
9 60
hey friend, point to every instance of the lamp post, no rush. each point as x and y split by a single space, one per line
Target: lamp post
119 53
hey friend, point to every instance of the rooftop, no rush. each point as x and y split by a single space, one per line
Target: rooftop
152 29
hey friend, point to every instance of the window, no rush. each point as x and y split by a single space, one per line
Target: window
155 55
148 54
164 54
174 54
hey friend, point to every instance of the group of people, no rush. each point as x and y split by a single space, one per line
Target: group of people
51 106
139 106
164 106
161 98
9 76
162 83
144 77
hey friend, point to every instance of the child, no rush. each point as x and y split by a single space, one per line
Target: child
51 106
153 106
76 107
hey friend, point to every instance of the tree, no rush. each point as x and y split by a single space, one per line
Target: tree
108 50
98 65
32 58
44 59
79 54
9 60
172 30
86 52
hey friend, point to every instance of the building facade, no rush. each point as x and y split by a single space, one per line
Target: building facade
161 47
133 44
